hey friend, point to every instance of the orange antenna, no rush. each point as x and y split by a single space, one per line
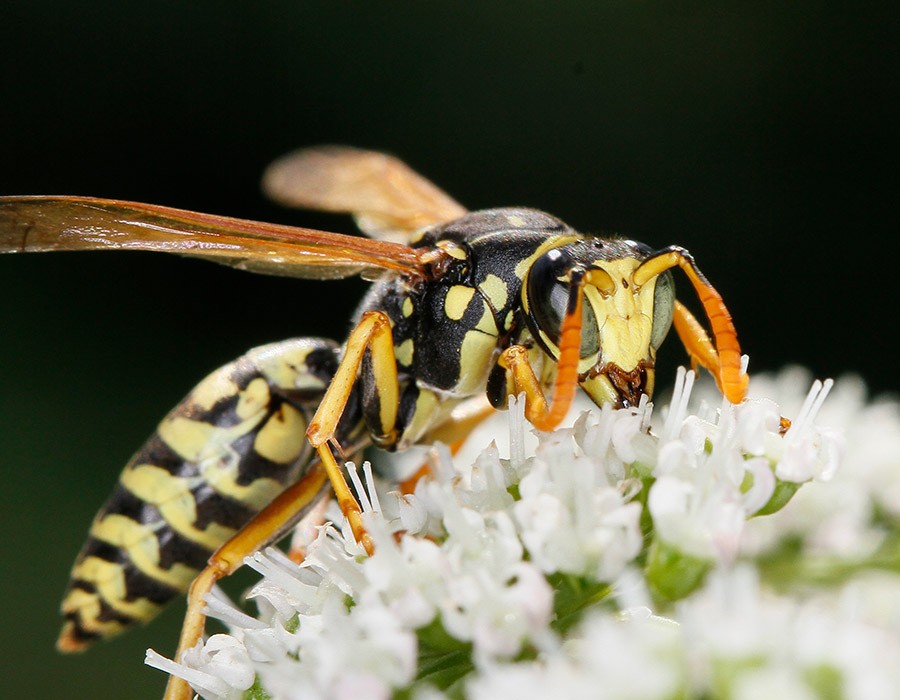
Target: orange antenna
542 415
725 362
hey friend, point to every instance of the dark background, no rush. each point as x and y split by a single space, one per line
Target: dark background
762 136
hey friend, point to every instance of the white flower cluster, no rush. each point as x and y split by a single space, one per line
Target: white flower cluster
855 516
521 576
729 640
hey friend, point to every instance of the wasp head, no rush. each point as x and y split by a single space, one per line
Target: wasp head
623 323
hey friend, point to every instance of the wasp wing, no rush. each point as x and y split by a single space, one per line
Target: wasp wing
32 224
388 199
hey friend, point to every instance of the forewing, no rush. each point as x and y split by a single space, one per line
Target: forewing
388 199
32 224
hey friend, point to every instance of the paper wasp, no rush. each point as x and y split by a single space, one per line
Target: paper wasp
465 305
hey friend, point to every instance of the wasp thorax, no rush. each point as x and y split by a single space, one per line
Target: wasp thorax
622 323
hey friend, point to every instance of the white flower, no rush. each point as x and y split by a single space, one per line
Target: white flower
409 577
845 517
697 502
571 515
702 520
615 658
220 669
747 640
518 574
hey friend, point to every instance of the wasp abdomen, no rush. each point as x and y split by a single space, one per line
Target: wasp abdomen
232 445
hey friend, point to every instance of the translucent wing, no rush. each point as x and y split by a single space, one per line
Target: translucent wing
388 199
31 224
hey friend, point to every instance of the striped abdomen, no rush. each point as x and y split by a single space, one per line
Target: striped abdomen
219 457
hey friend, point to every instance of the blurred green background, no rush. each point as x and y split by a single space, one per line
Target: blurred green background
762 136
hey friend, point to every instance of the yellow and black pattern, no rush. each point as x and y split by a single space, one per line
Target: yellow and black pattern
448 333
239 439
469 305
230 447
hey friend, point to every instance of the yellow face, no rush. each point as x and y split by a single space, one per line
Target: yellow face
623 366
623 324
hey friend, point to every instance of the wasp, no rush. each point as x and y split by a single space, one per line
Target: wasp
466 309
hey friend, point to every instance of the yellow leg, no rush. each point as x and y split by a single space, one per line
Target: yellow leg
271 522
372 332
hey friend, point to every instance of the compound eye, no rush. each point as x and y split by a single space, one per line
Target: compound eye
663 308
548 297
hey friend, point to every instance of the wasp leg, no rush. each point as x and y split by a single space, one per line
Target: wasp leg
729 378
514 359
270 524
372 333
